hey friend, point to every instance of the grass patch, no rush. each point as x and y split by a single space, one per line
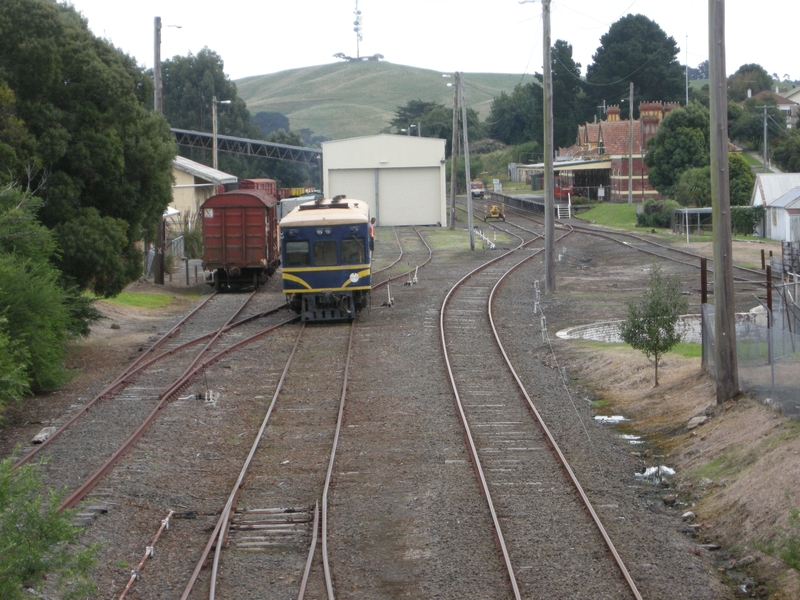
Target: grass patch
687 350
720 468
141 300
598 404
612 215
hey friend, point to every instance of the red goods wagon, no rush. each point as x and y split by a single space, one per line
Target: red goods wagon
268 185
240 238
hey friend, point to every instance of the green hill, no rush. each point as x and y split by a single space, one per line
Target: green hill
351 99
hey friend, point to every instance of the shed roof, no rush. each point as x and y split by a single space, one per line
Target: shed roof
771 186
241 199
790 199
201 171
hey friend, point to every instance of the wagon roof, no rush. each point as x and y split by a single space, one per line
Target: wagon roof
327 211
241 198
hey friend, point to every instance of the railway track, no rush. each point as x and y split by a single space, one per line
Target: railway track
751 279
530 489
126 407
261 530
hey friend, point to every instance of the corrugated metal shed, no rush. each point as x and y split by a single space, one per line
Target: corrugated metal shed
771 186
402 178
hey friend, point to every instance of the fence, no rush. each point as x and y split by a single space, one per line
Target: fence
174 249
767 349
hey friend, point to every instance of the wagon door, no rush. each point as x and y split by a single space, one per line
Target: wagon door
255 236
213 248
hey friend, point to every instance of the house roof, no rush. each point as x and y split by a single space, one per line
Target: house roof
616 135
790 199
780 100
201 171
769 187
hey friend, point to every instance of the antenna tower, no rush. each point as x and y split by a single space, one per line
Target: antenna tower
357 29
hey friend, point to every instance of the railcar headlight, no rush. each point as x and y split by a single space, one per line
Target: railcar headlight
319 231
327 231
354 277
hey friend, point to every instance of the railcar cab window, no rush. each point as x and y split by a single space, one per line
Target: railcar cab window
353 251
325 253
297 254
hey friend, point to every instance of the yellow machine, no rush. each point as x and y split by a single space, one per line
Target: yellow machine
494 211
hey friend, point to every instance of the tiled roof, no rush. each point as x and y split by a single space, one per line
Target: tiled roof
616 135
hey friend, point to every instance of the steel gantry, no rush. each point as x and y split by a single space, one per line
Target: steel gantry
248 147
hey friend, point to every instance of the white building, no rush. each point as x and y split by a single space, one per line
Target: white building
402 178
779 194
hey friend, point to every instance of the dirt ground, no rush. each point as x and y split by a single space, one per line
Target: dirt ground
738 472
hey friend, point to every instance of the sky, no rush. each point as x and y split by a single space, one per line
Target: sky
256 37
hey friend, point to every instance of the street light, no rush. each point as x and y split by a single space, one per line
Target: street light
214 103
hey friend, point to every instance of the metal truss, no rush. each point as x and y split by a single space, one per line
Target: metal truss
226 143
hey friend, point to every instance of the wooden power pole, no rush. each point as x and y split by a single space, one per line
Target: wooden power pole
549 184
454 151
630 147
466 165
726 363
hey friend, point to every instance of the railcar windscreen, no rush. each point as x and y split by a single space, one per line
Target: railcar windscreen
297 254
353 251
325 253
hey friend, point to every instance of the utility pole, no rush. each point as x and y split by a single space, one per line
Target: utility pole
549 189
726 363
454 151
687 69
157 105
765 107
466 165
630 146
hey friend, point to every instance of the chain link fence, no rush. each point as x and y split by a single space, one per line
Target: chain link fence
767 348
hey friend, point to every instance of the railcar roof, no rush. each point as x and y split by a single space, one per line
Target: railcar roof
327 211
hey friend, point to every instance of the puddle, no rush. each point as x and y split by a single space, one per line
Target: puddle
655 474
612 419
631 439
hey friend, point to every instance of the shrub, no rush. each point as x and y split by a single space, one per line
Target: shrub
34 538
580 200
744 219
657 213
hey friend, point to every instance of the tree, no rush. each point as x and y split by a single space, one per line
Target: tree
34 539
412 113
751 77
741 179
787 154
92 143
39 314
567 88
635 49
694 186
682 142
517 118
748 128
701 72
651 324
268 122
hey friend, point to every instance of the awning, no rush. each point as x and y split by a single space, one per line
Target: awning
583 166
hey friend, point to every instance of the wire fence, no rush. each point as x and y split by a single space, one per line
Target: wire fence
767 349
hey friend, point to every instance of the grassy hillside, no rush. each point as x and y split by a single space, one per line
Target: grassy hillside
350 99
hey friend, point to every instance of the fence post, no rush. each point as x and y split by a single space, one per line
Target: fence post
703 302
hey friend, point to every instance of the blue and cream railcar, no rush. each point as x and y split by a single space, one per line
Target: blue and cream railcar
325 258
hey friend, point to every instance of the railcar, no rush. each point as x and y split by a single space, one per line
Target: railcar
240 238
326 254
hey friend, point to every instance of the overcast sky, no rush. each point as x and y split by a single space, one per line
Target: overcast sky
256 37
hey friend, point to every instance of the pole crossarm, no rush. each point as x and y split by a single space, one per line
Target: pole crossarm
248 147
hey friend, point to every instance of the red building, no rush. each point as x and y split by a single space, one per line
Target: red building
609 141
